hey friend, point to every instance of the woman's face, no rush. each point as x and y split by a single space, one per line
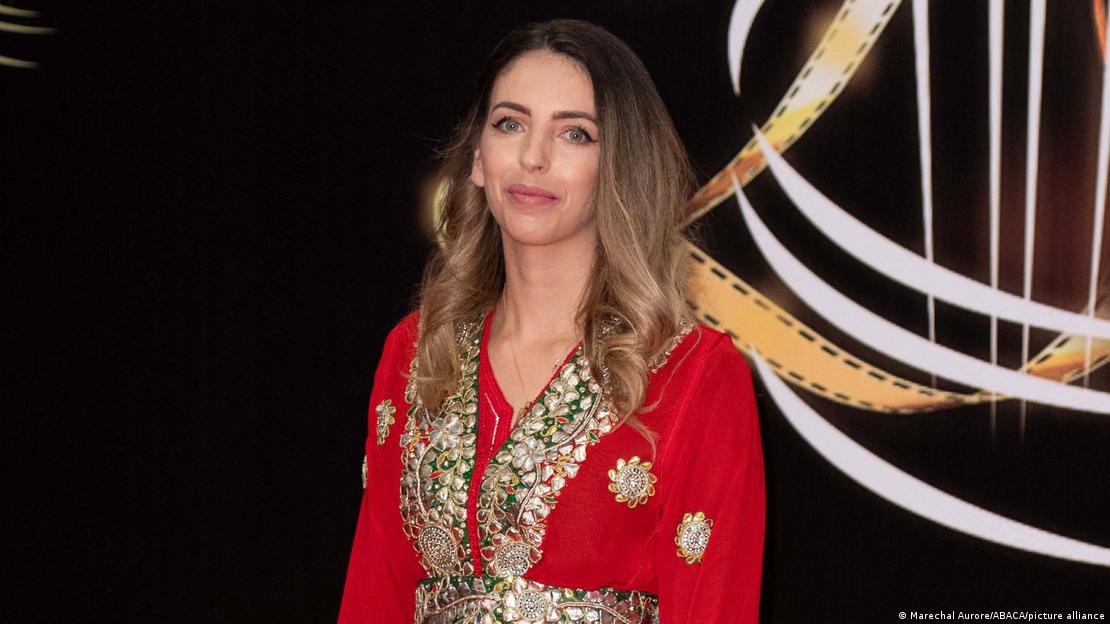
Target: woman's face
538 155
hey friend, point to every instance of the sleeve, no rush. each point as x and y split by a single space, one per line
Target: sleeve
709 549
383 570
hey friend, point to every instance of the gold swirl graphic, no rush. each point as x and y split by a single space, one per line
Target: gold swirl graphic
842 48
795 351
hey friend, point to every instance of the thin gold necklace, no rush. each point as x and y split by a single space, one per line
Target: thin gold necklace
519 377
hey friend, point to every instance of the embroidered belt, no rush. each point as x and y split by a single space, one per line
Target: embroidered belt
499 600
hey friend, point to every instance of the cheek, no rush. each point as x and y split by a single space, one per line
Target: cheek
582 176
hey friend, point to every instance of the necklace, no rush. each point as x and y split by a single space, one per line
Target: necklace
520 378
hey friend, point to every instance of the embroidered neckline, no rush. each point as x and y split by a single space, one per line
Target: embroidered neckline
485 372
520 486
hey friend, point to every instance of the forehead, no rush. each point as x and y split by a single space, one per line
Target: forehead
545 81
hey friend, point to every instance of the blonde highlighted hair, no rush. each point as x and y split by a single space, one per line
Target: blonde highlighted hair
638 290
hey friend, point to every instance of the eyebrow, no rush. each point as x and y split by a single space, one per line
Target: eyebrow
558 114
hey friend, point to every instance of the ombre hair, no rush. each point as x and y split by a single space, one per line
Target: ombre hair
637 298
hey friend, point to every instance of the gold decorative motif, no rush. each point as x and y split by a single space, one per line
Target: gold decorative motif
693 537
530 605
512 559
543 453
385 412
632 481
489 600
437 455
438 546
364 472
660 359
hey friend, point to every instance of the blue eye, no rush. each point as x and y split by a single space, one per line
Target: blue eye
507 124
578 134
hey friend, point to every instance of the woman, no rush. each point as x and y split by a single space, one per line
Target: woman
555 439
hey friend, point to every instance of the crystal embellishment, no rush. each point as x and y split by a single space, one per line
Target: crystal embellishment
532 605
693 536
364 472
632 481
513 558
385 412
438 546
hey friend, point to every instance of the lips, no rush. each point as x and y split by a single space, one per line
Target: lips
530 195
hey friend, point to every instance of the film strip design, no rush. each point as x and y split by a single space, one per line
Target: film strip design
804 358
801 356
1064 358
843 47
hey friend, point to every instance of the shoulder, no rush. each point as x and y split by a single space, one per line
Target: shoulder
706 356
404 333
400 345
714 395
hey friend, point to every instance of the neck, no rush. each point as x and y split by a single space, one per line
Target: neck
543 288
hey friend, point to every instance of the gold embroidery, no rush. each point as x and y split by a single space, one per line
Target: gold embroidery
512 558
439 545
364 472
632 481
385 412
487 600
437 454
543 453
693 536
522 483
660 360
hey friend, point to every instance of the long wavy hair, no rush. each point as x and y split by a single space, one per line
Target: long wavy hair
637 297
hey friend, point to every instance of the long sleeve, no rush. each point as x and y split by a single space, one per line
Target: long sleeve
713 464
383 570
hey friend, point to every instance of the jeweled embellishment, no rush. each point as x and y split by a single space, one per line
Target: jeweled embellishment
438 546
364 472
438 452
543 453
512 559
693 536
632 481
485 600
531 605
385 412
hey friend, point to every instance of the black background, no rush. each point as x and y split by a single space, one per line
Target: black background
211 220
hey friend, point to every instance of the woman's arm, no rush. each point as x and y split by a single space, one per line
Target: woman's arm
713 465
383 571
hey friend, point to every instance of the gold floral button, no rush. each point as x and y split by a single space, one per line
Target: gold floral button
385 412
632 481
693 536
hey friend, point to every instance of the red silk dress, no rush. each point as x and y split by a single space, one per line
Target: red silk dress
564 518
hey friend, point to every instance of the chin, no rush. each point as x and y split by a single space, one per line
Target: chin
534 237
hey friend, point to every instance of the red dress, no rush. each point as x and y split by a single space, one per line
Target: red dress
565 518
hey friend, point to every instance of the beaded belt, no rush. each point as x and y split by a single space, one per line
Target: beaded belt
498 600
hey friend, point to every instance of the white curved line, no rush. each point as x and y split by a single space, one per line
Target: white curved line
1037 11
886 337
19 63
24 30
1100 204
906 267
739 25
922 74
997 21
914 495
14 12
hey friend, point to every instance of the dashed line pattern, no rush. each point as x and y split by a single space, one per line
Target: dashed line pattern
873 18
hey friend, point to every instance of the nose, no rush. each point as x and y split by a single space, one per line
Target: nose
534 156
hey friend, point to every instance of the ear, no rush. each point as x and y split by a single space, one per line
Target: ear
477 176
